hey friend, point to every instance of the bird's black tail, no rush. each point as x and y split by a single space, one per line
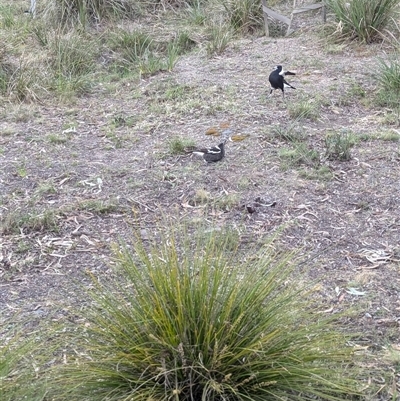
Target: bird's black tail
287 84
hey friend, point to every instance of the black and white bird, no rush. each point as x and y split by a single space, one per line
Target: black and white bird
212 154
277 80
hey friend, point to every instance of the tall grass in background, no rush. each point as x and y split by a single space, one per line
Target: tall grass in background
66 55
387 70
138 52
20 75
83 12
73 62
363 19
244 15
220 36
186 319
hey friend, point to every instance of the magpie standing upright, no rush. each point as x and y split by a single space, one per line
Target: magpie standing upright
212 154
277 80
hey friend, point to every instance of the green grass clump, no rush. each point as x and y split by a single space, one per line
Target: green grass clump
300 153
179 145
244 15
84 12
100 206
319 173
19 221
227 201
73 61
338 145
389 136
7 19
189 319
20 80
131 45
18 379
73 55
392 117
287 133
388 77
138 52
219 39
182 43
363 19
196 14
304 109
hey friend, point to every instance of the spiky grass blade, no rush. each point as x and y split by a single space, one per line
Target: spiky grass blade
19 357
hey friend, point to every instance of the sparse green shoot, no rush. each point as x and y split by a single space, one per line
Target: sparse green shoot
320 173
220 37
389 135
99 206
45 188
227 201
57 139
288 132
201 197
338 145
304 109
20 221
300 153
178 145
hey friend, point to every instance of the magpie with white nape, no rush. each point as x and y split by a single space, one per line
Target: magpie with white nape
277 80
212 154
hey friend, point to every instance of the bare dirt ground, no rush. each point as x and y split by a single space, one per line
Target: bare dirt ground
75 178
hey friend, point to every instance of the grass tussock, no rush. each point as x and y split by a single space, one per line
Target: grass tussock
244 15
388 77
179 145
338 145
184 319
304 109
21 80
139 53
300 153
219 39
87 12
196 14
73 63
18 366
362 19
19 221
73 55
